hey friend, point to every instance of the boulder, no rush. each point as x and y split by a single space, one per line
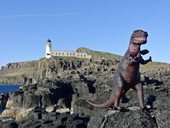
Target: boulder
130 119
53 120
9 124
3 100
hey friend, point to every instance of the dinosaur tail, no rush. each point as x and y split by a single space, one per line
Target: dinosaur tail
107 104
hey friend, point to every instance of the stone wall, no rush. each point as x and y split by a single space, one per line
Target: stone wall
71 54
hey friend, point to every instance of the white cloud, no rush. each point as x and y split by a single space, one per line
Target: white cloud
43 15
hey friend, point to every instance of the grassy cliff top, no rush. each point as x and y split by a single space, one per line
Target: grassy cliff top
99 54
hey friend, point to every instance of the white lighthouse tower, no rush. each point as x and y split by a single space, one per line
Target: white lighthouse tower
48 49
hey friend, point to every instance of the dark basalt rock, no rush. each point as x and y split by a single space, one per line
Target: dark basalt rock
9 124
3 100
161 107
53 120
131 119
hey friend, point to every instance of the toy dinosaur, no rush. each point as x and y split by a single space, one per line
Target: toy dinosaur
127 74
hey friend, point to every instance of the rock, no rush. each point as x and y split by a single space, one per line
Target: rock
53 120
82 108
8 124
77 124
131 119
80 88
50 109
3 100
162 108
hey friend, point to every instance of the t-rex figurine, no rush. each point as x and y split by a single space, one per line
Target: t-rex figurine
127 74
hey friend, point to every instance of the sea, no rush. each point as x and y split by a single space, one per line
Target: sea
4 88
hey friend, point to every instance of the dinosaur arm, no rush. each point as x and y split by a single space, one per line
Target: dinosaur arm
142 61
144 52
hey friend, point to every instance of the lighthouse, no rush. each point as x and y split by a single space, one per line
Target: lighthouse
52 53
48 49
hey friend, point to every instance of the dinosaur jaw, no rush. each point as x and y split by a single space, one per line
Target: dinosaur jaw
139 40
139 37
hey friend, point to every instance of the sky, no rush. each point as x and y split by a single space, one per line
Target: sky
101 25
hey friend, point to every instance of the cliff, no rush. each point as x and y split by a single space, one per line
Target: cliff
17 72
21 72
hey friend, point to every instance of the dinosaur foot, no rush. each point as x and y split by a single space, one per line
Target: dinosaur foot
110 111
117 109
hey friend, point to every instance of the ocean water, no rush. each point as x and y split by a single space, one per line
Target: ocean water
8 88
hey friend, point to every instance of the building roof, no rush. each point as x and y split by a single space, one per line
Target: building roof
49 40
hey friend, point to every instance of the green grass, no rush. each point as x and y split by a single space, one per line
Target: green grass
105 55
19 72
154 65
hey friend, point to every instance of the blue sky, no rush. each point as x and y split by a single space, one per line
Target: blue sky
102 25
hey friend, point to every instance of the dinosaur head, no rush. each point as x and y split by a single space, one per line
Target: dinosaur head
139 37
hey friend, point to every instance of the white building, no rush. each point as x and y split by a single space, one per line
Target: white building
49 52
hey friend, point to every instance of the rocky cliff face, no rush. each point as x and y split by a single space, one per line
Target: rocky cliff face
60 81
14 73
22 72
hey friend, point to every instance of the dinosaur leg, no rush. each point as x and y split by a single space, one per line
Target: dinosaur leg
121 89
119 93
140 95
117 97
